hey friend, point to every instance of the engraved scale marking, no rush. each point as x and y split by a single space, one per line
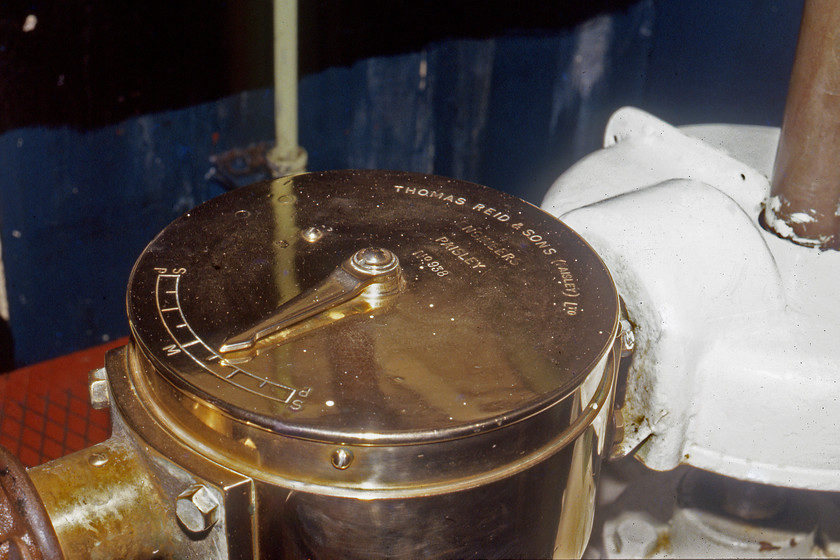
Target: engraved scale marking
167 299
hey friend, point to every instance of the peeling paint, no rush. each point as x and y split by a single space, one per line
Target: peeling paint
802 218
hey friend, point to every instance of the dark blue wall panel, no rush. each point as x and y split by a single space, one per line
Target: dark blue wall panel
511 111
722 61
77 208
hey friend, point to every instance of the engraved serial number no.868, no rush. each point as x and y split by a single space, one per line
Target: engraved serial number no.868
430 263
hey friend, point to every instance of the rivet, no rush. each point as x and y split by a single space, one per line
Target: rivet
312 234
341 458
97 459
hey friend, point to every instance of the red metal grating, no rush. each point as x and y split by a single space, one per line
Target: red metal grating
45 410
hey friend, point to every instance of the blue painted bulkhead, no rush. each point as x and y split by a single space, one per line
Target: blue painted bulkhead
511 110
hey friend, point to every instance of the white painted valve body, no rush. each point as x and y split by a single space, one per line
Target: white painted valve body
736 368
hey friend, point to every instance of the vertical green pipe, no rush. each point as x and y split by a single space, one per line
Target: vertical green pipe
287 156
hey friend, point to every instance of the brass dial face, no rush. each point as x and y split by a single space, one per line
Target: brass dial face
372 306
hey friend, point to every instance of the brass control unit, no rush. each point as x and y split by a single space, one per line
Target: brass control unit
352 364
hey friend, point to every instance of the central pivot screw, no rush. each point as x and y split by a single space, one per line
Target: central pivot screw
375 260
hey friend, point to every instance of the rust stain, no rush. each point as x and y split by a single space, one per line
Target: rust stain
764 546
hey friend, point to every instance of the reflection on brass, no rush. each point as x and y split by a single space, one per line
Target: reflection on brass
269 342
433 378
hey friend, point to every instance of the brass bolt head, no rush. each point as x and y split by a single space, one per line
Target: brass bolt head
197 509
98 389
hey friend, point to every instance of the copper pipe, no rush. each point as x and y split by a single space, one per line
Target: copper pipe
804 205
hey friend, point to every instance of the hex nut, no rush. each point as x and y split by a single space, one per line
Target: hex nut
100 397
197 509
635 536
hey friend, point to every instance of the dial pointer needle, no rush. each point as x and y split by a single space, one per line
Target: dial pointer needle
366 268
